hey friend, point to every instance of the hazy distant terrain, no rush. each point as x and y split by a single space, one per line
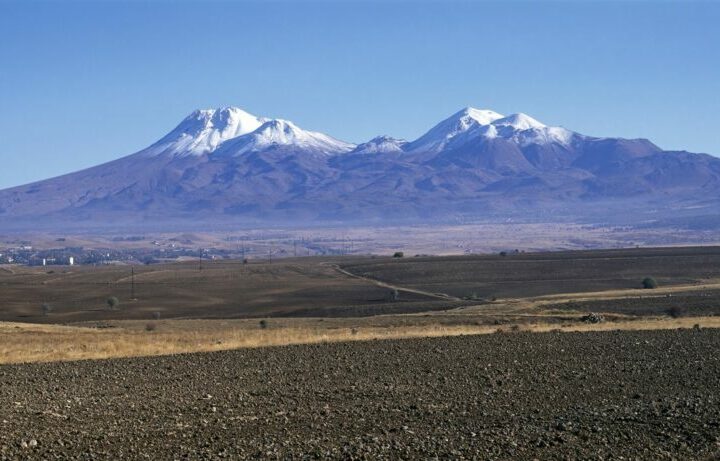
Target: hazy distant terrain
137 246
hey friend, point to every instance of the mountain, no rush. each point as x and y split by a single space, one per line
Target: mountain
282 134
204 130
381 145
228 167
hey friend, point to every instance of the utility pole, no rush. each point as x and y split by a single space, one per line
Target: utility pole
132 282
295 248
270 255
201 253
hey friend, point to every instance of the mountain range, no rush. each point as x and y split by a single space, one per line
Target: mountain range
227 166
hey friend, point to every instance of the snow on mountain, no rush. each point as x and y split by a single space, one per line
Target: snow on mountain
519 122
473 163
525 130
203 131
470 125
280 133
231 131
381 144
460 122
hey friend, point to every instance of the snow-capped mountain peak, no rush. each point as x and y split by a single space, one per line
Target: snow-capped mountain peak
381 144
525 130
481 116
519 122
204 130
444 132
468 126
278 133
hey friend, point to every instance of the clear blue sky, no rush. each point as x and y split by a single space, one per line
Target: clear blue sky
83 83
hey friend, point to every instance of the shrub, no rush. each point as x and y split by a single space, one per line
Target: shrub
676 311
503 253
113 302
263 324
394 295
151 326
593 317
649 283
156 315
398 254
46 308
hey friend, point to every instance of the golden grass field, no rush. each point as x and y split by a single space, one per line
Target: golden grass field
22 343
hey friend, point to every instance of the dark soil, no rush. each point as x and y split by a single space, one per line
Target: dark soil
610 395
313 286
535 274
225 289
691 304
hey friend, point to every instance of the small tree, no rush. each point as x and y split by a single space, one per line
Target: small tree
649 283
46 309
113 302
398 254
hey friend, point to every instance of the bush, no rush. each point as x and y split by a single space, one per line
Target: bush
649 283
151 326
398 254
156 315
46 308
263 324
593 317
676 311
113 302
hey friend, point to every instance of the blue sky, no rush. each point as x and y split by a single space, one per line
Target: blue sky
82 83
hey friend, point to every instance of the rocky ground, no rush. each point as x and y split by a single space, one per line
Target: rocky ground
604 395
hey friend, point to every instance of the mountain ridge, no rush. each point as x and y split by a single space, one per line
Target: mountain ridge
226 165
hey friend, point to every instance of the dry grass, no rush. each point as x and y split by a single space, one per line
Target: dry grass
20 343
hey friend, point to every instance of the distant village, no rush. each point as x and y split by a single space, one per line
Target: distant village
25 254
